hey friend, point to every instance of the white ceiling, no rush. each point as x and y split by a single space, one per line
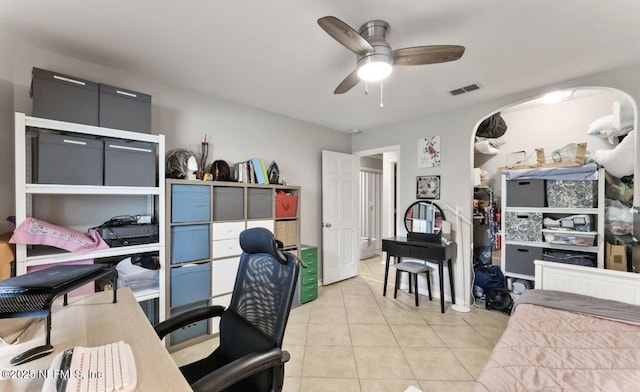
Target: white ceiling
273 55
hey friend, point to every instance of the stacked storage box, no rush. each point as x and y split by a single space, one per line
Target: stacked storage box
68 98
572 194
308 281
74 160
190 273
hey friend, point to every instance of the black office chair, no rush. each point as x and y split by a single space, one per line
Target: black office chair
250 355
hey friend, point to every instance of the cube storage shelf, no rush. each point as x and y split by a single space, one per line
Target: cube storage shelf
525 204
206 219
31 196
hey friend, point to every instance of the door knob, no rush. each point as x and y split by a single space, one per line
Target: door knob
327 225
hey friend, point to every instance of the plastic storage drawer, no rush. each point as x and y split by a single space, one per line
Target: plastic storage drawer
523 226
190 203
570 237
572 194
310 257
192 330
519 259
190 283
228 203
128 163
71 160
124 109
65 98
525 193
259 203
190 243
308 293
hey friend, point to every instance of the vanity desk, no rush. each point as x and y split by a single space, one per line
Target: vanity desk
422 220
400 247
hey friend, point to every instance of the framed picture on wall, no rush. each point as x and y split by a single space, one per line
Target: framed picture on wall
428 187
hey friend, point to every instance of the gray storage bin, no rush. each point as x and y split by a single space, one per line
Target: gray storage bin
190 243
192 330
259 203
66 159
572 194
124 109
65 98
519 259
129 163
190 203
190 283
228 203
523 226
525 193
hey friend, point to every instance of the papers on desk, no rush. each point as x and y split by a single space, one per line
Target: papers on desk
102 369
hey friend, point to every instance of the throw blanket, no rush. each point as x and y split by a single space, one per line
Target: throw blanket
549 349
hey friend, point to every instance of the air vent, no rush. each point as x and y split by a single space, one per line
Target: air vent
471 87
464 89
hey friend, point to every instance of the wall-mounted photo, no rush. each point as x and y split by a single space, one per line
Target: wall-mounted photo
429 152
428 187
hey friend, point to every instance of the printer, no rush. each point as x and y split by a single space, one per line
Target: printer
129 234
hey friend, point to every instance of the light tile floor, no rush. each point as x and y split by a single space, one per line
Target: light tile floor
353 339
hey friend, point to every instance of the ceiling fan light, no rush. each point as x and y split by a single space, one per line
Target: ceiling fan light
374 71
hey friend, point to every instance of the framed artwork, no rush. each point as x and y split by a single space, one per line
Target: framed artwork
429 152
428 187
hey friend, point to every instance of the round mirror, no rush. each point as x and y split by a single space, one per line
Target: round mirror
423 217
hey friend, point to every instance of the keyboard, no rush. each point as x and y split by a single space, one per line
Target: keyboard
105 368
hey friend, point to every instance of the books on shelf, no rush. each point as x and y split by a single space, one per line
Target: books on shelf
253 171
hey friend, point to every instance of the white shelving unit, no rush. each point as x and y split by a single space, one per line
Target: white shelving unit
597 214
25 191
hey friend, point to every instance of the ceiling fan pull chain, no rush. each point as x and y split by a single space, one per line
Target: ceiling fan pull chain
381 103
366 88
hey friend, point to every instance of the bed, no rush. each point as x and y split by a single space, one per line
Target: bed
578 331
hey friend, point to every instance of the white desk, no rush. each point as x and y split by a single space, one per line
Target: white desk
89 321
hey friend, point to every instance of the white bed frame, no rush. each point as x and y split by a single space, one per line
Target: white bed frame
596 282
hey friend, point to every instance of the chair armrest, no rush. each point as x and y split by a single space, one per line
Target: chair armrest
186 318
233 372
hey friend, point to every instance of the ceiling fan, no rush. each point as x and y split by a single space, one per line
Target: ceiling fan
375 58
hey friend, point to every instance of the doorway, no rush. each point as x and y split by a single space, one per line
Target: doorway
370 209
379 172
531 125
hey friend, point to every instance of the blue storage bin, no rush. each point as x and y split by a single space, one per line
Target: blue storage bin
190 283
190 243
190 203
192 330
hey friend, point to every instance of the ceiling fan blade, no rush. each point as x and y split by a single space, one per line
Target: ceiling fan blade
419 55
344 34
348 83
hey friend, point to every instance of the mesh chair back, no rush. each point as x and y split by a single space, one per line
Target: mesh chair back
265 284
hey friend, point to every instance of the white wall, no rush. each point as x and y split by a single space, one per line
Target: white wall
6 135
235 132
456 129
548 126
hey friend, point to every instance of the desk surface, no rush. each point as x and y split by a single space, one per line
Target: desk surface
89 321
420 243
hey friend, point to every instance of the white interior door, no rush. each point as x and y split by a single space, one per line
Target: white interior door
340 232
